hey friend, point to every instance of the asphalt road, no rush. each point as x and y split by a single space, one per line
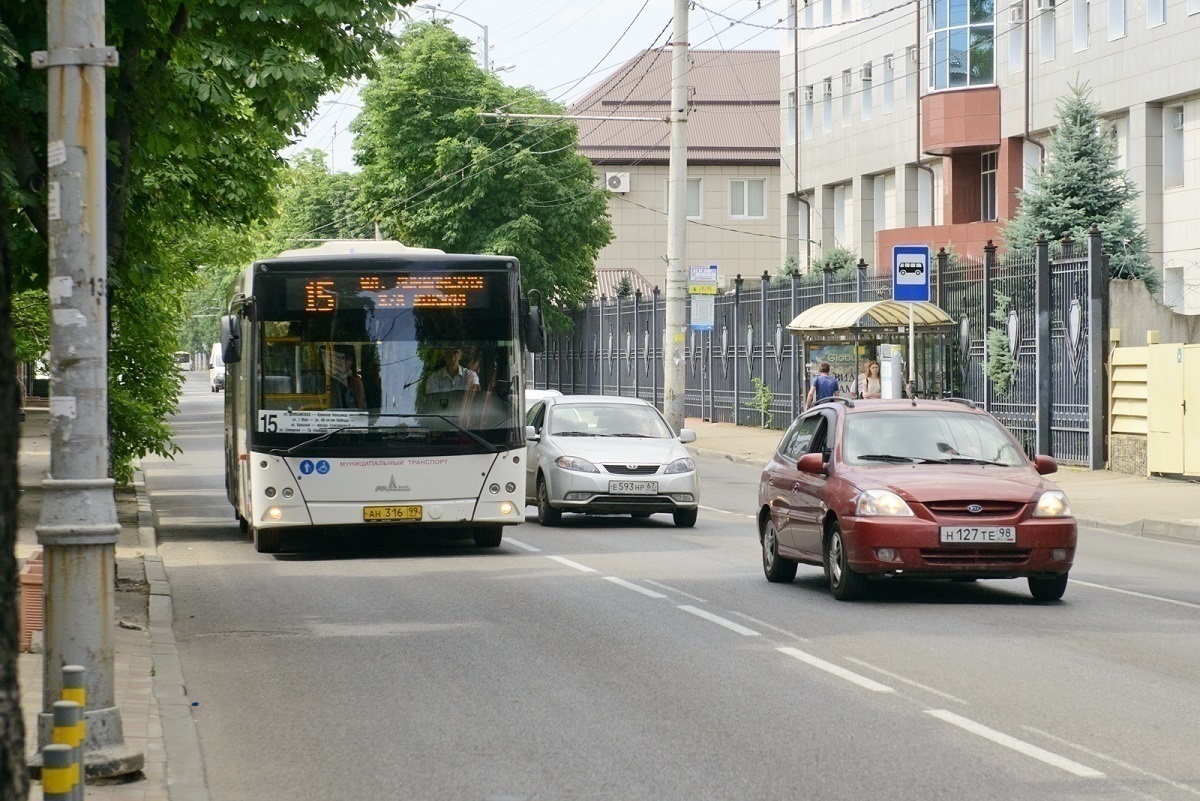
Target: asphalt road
611 660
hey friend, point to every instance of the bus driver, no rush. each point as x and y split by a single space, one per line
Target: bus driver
453 376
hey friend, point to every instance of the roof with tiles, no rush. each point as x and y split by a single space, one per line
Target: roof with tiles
733 117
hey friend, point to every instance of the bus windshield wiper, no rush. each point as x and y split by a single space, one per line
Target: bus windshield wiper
319 438
478 439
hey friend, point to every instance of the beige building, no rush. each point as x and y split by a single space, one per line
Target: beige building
733 161
917 123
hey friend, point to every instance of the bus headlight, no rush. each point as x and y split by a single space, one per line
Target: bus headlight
288 492
506 508
274 513
494 489
510 487
269 492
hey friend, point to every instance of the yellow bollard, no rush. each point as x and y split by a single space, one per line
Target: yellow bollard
58 773
68 731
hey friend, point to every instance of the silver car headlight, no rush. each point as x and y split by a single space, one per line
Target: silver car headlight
882 503
1053 503
576 464
684 465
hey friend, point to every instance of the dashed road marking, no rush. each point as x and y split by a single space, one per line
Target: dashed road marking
1113 760
909 682
1188 604
523 545
836 670
720 621
629 585
1020 746
767 625
725 512
677 592
581 568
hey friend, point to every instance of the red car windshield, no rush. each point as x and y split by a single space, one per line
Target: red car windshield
923 436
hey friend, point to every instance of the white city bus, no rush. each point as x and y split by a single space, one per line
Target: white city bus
373 384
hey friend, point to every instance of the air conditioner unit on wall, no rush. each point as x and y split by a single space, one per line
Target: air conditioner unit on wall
1177 120
808 94
1045 5
867 72
1016 14
888 62
617 182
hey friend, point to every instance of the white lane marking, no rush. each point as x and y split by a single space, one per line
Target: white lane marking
1020 746
526 546
720 621
776 629
1188 604
569 563
726 512
629 585
909 682
677 592
836 670
1113 760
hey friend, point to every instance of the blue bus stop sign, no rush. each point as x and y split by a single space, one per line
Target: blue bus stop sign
910 273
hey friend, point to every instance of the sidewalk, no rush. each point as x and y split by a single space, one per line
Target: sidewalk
147 680
1153 507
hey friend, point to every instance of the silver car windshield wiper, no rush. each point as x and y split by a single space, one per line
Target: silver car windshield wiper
572 434
639 436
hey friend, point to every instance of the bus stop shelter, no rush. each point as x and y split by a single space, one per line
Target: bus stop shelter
848 335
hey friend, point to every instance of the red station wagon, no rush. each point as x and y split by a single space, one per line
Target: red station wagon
911 489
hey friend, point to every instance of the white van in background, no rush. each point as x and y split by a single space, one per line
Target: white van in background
216 369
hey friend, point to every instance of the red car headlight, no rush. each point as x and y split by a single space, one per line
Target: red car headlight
881 503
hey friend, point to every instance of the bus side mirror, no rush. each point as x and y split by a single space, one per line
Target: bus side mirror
231 338
535 330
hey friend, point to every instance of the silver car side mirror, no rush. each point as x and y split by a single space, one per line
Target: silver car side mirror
687 435
531 434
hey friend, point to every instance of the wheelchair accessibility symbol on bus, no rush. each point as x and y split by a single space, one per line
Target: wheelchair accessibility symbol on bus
308 466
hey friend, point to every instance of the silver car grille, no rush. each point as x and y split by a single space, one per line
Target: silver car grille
632 469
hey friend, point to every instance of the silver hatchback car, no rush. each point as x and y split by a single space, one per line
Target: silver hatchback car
601 454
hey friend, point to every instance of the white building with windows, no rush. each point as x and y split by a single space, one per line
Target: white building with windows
917 122
733 191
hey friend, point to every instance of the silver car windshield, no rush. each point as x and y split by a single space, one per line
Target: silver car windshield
599 420
920 436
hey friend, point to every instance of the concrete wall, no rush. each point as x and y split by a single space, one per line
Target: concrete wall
1134 311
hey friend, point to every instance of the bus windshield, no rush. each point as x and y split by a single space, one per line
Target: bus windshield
412 360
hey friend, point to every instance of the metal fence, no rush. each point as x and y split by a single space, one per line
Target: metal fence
1052 317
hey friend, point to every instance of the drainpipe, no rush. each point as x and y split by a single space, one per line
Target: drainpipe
1028 68
920 166
796 145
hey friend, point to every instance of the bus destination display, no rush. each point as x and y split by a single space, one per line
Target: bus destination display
327 294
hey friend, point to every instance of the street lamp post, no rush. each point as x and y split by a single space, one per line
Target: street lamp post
487 58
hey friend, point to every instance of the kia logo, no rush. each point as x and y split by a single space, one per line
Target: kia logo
974 508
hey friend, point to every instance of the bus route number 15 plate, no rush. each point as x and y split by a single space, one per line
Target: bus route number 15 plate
384 514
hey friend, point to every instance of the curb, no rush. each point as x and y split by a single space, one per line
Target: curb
1169 530
185 760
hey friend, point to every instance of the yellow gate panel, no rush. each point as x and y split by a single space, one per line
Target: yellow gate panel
1164 443
1191 410
1127 391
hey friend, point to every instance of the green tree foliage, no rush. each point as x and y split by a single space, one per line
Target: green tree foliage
1000 367
315 203
436 174
1081 185
205 96
842 260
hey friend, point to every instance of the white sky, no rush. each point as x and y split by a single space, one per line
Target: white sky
562 47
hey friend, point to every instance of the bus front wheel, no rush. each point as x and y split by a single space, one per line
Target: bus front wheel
266 540
489 537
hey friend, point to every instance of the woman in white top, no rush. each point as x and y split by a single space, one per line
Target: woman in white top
869 385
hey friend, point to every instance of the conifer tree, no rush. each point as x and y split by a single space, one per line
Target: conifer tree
1081 185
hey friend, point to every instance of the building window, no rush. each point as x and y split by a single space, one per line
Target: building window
1046 19
867 76
847 96
694 194
988 163
791 118
826 12
841 196
1079 14
1193 7
1016 37
910 77
748 198
827 105
961 41
1156 13
1116 19
808 112
808 14
889 91
1172 146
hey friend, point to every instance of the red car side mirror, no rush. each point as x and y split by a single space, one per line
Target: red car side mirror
811 463
1045 465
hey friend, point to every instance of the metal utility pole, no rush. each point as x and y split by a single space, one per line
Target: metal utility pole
78 526
674 375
